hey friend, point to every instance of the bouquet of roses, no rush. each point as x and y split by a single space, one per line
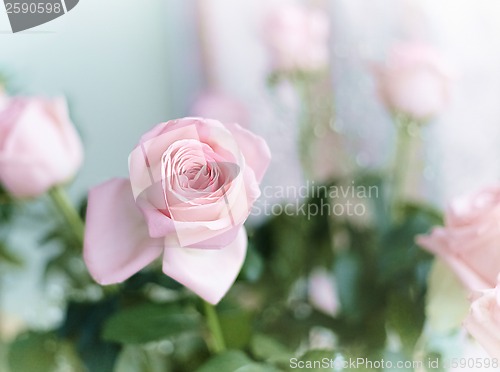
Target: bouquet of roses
162 272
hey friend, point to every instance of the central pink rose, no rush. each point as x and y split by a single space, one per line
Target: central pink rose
192 184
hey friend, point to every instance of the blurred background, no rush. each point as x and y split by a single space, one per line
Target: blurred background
125 65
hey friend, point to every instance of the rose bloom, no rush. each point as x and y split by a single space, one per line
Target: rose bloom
297 38
39 146
220 107
414 81
192 184
483 322
469 241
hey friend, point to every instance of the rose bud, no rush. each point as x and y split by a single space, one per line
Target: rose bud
414 81
297 38
323 294
39 146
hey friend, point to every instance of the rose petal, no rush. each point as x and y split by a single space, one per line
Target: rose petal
254 148
153 207
208 273
193 232
436 243
482 322
117 244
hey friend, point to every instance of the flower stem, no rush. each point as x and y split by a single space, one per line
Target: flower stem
401 166
217 344
306 123
73 219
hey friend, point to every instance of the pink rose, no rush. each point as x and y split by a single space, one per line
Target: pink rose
297 38
415 81
220 107
192 184
483 322
39 146
469 241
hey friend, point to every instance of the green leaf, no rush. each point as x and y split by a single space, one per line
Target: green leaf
135 358
257 367
395 358
9 257
33 352
228 361
447 300
313 360
236 327
233 361
69 358
406 319
83 325
267 349
348 273
149 322
190 352
3 356
399 257
6 205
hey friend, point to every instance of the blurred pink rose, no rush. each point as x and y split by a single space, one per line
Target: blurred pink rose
483 322
415 81
4 98
220 107
39 146
470 239
323 292
192 184
297 38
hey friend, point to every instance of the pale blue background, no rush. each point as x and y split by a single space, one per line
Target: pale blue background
120 64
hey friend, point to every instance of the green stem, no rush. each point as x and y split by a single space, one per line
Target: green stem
73 219
217 342
401 166
306 125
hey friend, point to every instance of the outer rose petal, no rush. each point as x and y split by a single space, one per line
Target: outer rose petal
117 244
208 273
436 243
159 224
254 148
